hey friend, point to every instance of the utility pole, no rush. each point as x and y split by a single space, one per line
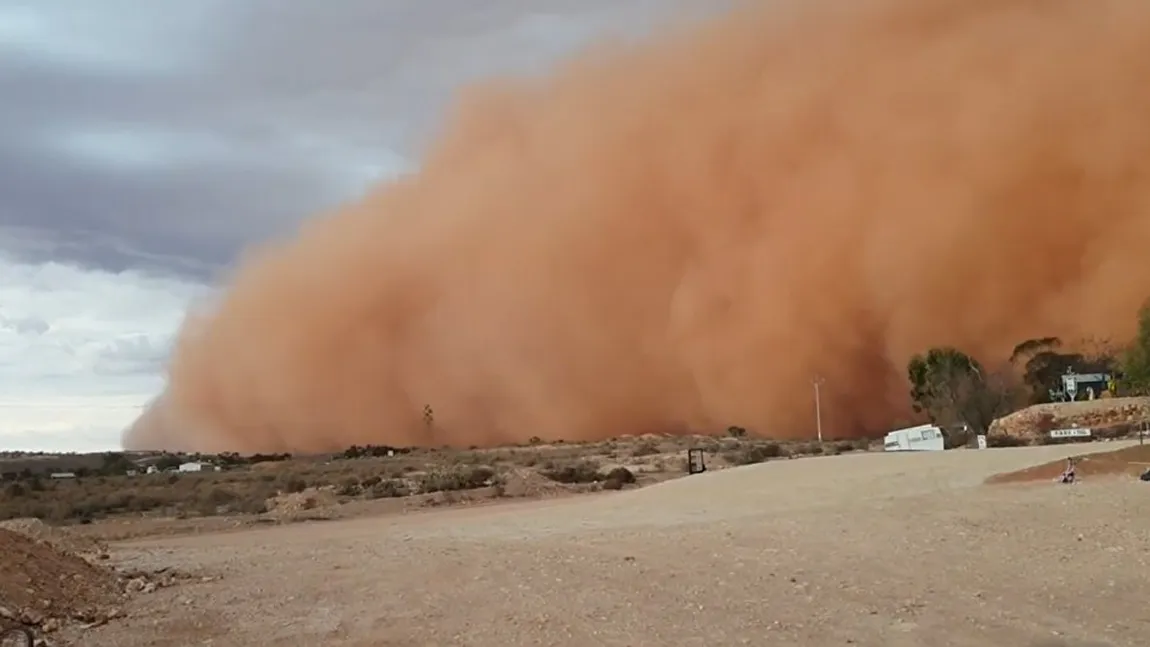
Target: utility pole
817 382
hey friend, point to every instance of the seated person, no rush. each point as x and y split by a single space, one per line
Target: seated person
1069 474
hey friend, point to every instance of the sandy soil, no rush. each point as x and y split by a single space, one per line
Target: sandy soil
866 550
1130 462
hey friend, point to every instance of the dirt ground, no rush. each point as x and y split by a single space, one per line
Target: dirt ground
1129 461
875 549
38 582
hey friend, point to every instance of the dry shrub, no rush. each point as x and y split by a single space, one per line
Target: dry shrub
749 455
645 448
349 486
388 489
455 479
808 449
582 471
293 484
856 445
617 478
200 494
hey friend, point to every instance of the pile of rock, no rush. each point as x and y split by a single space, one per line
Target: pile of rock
528 483
43 587
1110 417
310 504
59 538
52 578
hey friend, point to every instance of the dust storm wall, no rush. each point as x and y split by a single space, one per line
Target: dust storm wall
677 235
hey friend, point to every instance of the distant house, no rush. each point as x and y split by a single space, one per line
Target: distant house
152 469
62 475
1086 385
198 467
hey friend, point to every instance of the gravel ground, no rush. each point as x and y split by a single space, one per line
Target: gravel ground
866 550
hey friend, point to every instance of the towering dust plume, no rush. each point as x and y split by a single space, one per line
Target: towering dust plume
680 235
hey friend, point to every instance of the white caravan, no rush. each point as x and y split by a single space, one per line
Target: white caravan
915 439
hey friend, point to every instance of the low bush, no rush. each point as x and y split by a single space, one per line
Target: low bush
752 454
645 448
572 473
455 479
388 489
617 478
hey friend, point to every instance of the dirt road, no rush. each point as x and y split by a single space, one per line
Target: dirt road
865 550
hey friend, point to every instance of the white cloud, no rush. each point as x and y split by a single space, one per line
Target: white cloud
140 148
81 352
117 34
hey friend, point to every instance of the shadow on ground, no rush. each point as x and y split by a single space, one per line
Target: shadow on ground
1131 461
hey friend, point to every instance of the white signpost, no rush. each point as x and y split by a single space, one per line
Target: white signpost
1071 385
981 441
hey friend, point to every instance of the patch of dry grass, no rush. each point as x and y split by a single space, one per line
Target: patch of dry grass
243 489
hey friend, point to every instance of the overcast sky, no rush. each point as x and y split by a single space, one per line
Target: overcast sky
143 144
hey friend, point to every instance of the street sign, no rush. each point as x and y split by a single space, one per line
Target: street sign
1076 432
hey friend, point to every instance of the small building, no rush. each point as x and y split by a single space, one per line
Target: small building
62 475
192 467
1084 386
915 439
152 469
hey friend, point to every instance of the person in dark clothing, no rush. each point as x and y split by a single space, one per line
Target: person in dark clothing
1069 474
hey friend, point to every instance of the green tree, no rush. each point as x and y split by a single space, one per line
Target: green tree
953 389
168 461
934 375
1136 359
116 463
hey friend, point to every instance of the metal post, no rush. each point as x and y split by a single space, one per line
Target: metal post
818 408
429 424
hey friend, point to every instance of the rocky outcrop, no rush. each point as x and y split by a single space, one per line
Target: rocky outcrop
1106 418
